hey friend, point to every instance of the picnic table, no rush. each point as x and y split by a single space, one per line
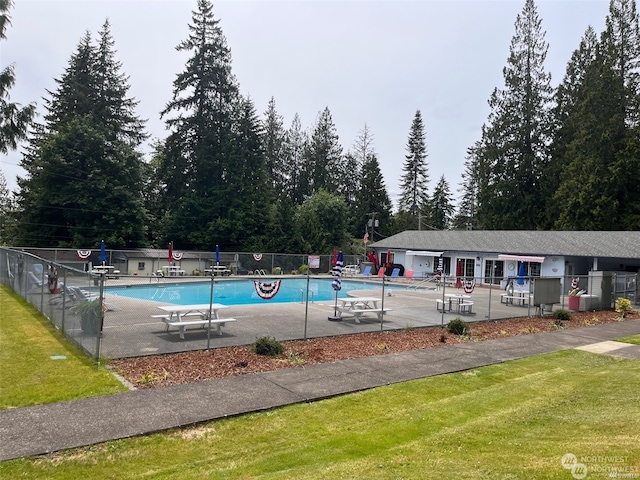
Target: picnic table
461 302
359 306
219 270
180 316
516 297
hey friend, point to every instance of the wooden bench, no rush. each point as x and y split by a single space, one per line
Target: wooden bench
203 322
511 299
441 303
359 312
465 307
218 322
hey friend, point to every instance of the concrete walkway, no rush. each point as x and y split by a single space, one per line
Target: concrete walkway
48 428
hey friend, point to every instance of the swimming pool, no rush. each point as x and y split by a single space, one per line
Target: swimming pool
241 292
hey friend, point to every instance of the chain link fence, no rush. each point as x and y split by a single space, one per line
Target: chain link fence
121 314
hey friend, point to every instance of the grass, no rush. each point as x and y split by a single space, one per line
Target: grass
512 421
634 339
28 374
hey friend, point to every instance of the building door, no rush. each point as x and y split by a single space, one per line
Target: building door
493 271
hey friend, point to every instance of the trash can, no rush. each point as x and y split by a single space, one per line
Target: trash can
574 303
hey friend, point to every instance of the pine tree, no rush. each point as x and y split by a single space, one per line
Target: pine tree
466 217
569 95
600 179
6 207
14 119
84 174
250 212
360 152
324 162
516 136
198 158
442 208
372 197
273 146
295 177
414 198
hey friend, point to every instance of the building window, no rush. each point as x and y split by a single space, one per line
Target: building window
531 269
493 271
469 267
140 265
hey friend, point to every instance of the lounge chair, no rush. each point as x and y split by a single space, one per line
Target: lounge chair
366 271
81 295
66 297
395 273
381 272
35 281
409 275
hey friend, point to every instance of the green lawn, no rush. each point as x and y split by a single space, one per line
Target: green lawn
508 421
634 339
28 374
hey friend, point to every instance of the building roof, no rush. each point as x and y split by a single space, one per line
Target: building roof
546 243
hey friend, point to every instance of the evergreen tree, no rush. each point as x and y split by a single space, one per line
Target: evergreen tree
414 198
323 163
354 160
442 208
295 177
372 200
466 218
14 119
84 174
273 146
516 137
600 179
198 156
569 95
6 207
251 201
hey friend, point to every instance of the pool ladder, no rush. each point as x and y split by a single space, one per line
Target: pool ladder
302 296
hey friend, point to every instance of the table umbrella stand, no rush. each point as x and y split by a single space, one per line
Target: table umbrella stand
337 285
335 317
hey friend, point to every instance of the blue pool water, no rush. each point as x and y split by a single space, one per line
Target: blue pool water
239 292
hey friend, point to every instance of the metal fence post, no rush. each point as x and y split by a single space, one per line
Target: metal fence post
306 307
382 306
99 334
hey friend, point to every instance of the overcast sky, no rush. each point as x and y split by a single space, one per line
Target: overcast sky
373 62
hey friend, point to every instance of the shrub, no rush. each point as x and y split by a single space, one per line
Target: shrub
303 269
562 315
267 346
623 306
457 326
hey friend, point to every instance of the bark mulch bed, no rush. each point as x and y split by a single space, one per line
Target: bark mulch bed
195 366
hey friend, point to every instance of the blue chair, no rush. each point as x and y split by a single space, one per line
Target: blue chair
366 271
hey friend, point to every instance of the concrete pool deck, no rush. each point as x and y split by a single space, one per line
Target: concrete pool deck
131 330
